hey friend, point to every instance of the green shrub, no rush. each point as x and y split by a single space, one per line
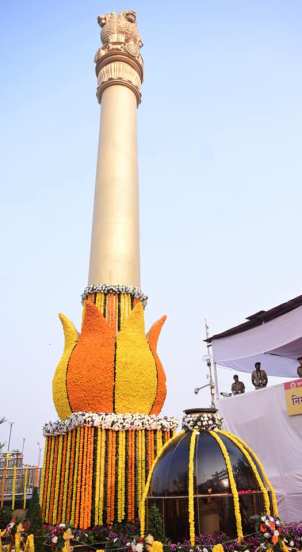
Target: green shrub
155 524
5 516
34 516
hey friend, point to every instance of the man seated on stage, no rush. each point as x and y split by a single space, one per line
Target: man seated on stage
259 377
299 368
238 386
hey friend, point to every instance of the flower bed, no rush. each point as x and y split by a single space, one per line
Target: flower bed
126 537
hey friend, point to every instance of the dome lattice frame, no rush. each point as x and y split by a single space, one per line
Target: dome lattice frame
205 477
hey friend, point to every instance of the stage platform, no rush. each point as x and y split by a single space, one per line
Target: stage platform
261 419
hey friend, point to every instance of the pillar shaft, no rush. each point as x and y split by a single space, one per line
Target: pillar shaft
114 257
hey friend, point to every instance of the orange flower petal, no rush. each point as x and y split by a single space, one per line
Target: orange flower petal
90 374
161 392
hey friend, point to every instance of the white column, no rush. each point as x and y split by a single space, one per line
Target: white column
114 256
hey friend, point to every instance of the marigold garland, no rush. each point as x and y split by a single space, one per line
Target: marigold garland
87 510
111 477
42 481
131 476
150 449
53 479
45 475
90 476
25 487
232 484
191 487
69 500
14 487
46 459
97 477
99 302
79 478
4 480
82 481
17 542
75 477
62 478
159 441
121 478
108 475
66 477
141 461
51 460
116 484
125 308
56 481
142 510
266 479
123 490
245 453
138 466
143 466
86 513
102 476
111 311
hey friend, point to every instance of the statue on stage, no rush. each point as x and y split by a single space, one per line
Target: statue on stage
259 377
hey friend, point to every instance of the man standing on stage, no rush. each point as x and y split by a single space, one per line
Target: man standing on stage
238 386
259 377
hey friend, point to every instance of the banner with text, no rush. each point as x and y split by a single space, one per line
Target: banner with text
293 397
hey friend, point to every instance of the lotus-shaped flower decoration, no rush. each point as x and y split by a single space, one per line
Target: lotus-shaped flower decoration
105 370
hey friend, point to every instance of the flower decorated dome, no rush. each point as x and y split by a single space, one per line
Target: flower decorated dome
206 480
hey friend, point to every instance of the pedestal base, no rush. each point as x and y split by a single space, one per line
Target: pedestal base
94 474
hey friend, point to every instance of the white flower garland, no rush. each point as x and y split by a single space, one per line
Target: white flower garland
203 422
117 289
112 421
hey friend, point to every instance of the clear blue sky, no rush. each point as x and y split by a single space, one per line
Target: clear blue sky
220 173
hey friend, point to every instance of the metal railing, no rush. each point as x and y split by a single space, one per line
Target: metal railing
17 483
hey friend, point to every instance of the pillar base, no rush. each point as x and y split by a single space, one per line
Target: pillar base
96 465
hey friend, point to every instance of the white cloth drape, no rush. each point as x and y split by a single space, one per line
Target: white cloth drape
260 418
276 344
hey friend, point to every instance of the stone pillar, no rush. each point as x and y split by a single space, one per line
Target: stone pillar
109 385
114 256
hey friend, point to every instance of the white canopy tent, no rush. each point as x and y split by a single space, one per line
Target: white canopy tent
272 337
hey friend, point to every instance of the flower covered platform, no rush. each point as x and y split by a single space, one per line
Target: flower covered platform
95 466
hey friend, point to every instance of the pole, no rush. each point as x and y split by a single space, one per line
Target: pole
23 444
213 368
10 435
216 378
